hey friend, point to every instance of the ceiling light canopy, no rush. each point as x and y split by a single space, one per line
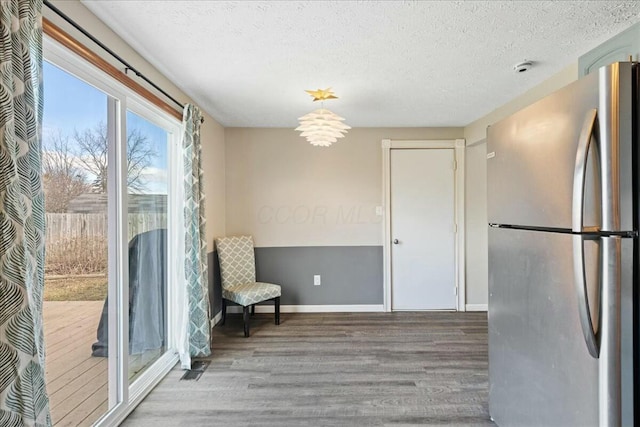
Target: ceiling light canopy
322 127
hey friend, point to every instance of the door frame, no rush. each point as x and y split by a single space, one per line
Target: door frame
458 145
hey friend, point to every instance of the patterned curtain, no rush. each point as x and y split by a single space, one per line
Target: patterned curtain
195 242
23 397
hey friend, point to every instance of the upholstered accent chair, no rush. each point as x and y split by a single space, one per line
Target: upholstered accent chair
238 271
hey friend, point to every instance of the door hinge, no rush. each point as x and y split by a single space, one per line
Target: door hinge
456 291
455 228
455 165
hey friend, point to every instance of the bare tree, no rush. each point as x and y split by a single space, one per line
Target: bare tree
92 151
63 179
139 155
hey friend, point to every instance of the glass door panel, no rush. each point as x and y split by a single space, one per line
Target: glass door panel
77 264
147 197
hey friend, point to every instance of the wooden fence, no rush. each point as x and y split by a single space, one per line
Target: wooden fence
77 243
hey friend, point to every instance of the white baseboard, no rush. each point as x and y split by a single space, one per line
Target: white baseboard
216 319
310 309
476 307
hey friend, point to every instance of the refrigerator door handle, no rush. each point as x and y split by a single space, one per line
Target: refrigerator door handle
580 280
577 226
580 171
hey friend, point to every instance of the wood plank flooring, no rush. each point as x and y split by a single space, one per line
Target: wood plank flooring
334 369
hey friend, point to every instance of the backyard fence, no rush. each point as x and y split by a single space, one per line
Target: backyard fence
77 243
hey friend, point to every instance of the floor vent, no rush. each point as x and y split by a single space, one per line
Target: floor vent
197 368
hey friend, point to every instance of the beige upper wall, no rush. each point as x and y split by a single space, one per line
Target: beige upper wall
477 131
286 192
213 164
477 268
212 133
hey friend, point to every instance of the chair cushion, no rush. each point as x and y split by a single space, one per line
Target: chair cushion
251 293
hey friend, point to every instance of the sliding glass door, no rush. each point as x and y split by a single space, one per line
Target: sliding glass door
109 173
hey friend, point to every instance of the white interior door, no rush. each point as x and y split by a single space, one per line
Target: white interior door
423 229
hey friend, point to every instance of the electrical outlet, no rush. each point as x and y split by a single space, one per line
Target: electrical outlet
316 280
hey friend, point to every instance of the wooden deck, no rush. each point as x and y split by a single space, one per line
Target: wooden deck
76 382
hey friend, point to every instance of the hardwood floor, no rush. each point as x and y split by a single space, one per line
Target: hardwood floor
334 369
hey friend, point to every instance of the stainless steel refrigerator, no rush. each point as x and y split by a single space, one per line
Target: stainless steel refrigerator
563 256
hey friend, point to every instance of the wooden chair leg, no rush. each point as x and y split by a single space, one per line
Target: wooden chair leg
253 309
245 317
224 312
276 303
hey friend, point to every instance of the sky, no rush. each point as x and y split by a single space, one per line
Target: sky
71 104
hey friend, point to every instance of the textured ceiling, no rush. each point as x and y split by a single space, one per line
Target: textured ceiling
395 63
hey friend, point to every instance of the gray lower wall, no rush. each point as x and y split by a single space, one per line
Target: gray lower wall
350 274
215 283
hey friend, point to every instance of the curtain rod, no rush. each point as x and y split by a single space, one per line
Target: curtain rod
128 67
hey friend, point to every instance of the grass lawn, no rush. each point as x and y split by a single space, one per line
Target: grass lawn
75 288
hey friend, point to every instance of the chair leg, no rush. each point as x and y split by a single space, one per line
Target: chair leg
245 317
276 303
224 312
253 309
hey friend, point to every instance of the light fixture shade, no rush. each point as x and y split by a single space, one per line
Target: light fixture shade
322 127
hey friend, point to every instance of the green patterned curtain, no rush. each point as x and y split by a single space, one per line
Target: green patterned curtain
195 241
23 397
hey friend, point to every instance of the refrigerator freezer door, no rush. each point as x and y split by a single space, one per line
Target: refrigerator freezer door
532 156
540 372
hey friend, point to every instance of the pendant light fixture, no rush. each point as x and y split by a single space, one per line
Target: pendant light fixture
322 127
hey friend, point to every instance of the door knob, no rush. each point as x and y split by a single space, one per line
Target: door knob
396 241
